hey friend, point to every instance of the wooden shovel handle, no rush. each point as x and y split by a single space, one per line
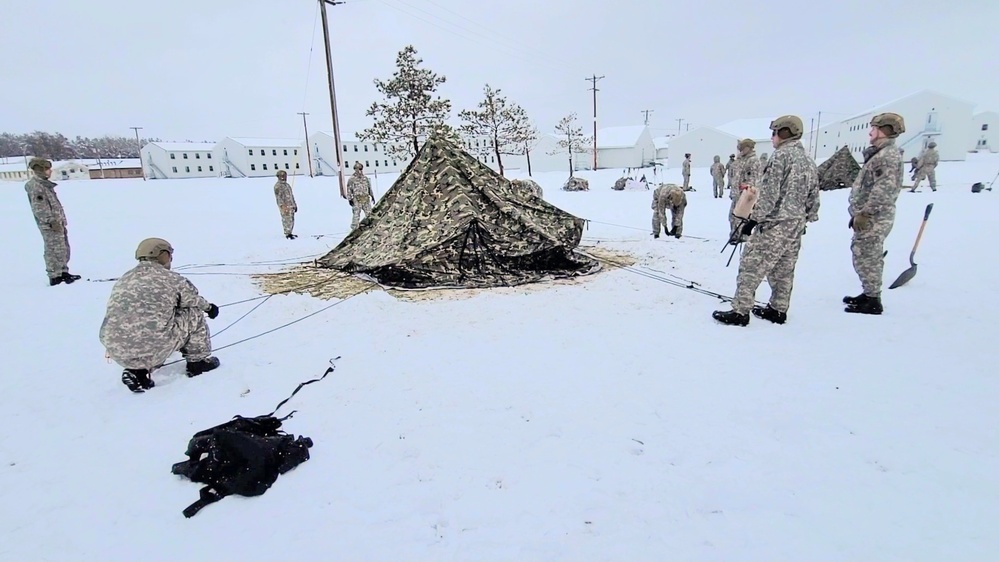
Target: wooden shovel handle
919 236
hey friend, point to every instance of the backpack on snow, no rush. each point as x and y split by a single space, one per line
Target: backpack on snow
243 456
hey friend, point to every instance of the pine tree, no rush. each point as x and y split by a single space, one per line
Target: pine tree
527 138
499 120
570 139
411 110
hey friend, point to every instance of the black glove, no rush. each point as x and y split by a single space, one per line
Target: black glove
747 228
850 225
213 311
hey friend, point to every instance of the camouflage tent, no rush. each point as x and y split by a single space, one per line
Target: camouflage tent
838 171
450 221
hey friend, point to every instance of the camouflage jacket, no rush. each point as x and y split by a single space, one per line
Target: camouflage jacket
140 314
789 186
686 167
45 205
878 184
718 170
928 159
285 198
668 196
747 169
359 188
730 169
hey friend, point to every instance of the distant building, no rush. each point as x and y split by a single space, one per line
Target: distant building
372 155
64 170
14 168
624 147
662 147
107 168
703 143
176 160
985 132
253 158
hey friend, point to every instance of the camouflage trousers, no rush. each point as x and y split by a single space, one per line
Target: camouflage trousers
868 249
719 186
771 254
287 221
659 221
56 252
926 173
356 208
189 334
686 182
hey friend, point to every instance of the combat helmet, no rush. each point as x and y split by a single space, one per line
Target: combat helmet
281 173
151 248
790 122
932 144
37 164
893 121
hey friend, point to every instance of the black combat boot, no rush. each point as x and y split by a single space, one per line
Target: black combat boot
53 281
195 368
859 299
656 235
770 313
871 305
291 236
731 317
137 380
68 278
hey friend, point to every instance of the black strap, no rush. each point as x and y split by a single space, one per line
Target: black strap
208 497
331 368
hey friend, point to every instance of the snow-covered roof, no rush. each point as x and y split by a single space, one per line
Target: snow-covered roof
661 142
886 105
756 128
619 137
112 163
188 146
13 166
267 143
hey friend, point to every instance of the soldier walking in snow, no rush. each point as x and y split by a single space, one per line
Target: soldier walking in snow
872 210
686 172
926 167
747 173
286 204
730 171
153 312
788 197
359 194
51 220
668 197
718 177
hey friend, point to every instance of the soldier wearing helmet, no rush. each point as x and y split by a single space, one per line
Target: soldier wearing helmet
718 177
730 170
926 166
788 198
872 210
153 312
359 194
51 220
286 204
668 196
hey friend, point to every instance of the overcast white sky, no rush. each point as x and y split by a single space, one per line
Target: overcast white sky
206 69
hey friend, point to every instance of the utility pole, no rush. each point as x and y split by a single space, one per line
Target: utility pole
811 134
308 152
647 112
139 144
678 122
336 120
818 126
594 79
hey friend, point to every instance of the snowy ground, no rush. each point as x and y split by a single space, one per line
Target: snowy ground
605 419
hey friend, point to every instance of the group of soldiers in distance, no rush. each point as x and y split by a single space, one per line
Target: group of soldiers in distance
153 311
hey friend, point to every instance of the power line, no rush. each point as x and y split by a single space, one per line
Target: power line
647 112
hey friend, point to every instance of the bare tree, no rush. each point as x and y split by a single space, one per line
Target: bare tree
499 120
570 139
527 138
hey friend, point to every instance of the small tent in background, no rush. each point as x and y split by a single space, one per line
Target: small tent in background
838 171
450 221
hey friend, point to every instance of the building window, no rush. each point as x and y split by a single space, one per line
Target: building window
276 167
199 168
985 126
175 169
209 155
296 165
187 169
345 148
273 152
365 148
286 152
211 168
173 156
296 152
376 163
251 152
393 163
287 166
185 156
197 156
265 166
253 167
355 148
366 165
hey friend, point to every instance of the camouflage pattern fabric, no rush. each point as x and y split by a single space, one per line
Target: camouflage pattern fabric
151 313
286 205
686 174
670 197
355 211
874 194
619 184
576 184
718 175
360 196
926 168
839 171
51 220
730 170
529 186
451 221
789 196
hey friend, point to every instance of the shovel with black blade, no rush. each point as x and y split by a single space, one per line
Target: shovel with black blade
908 274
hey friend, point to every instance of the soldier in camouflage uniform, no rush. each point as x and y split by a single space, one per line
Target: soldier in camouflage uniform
747 173
51 220
718 176
359 194
763 161
730 171
530 186
686 172
670 197
789 197
926 167
286 204
153 312
872 210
